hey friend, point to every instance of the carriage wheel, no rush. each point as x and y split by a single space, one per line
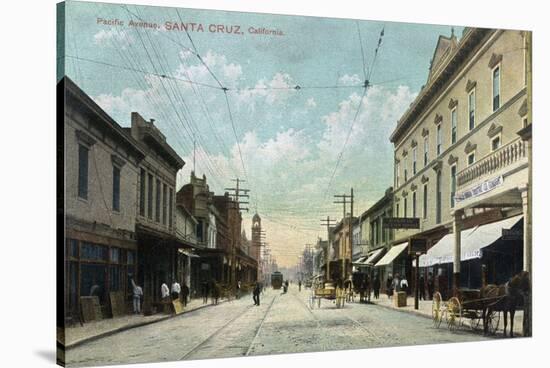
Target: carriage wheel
437 310
475 323
493 320
454 313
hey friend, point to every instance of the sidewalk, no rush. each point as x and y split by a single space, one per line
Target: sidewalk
425 310
77 335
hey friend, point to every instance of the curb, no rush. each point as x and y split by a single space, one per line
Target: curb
140 324
420 314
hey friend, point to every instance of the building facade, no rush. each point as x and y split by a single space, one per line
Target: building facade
156 215
459 162
101 171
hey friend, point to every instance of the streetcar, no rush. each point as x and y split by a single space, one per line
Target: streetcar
276 280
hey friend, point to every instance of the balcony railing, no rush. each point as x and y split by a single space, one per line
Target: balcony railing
500 158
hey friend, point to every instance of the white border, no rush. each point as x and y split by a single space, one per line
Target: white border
28 180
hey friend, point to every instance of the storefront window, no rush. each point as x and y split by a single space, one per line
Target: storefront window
114 278
131 257
92 280
115 255
93 252
73 248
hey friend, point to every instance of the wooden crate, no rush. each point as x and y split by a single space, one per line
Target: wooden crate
400 299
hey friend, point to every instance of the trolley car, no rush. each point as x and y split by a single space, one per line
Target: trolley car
276 280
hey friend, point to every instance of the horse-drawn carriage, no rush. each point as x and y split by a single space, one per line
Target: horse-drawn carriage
329 291
482 307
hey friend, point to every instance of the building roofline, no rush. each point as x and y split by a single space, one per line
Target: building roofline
470 39
72 88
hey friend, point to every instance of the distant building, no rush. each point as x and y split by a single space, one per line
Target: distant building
376 239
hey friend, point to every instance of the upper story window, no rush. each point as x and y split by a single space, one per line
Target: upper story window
453 125
397 174
414 160
116 188
472 109
439 139
150 196
405 168
157 201
397 209
142 180
471 158
83 152
453 185
426 147
495 143
164 204
170 209
496 88
414 204
425 201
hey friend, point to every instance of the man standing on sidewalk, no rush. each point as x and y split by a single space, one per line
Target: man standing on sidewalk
176 290
184 294
137 294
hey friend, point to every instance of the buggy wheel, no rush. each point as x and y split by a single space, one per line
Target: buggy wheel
453 314
475 323
493 320
437 310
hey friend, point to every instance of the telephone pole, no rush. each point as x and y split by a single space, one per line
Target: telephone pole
328 222
236 193
345 199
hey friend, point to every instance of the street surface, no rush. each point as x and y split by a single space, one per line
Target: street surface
283 323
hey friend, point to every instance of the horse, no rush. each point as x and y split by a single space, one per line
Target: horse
507 298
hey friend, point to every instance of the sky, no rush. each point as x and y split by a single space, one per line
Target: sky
234 95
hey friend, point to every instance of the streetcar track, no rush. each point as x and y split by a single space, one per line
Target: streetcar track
261 324
217 331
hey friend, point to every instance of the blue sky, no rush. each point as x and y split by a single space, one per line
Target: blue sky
289 139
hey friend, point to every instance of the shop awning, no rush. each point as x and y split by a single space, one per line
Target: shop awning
360 261
472 242
392 254
374 256
188 254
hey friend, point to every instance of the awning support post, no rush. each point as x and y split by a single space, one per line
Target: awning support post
457 228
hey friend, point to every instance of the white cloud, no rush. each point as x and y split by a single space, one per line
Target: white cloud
349 80
310 103
113 37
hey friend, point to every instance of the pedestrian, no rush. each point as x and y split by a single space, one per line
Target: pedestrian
404 285
376 287
205 290
164 292
176 290
137 295
389 286
430 286
184 293
396 283
256 294
421 289
300 285
215 292
238 294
